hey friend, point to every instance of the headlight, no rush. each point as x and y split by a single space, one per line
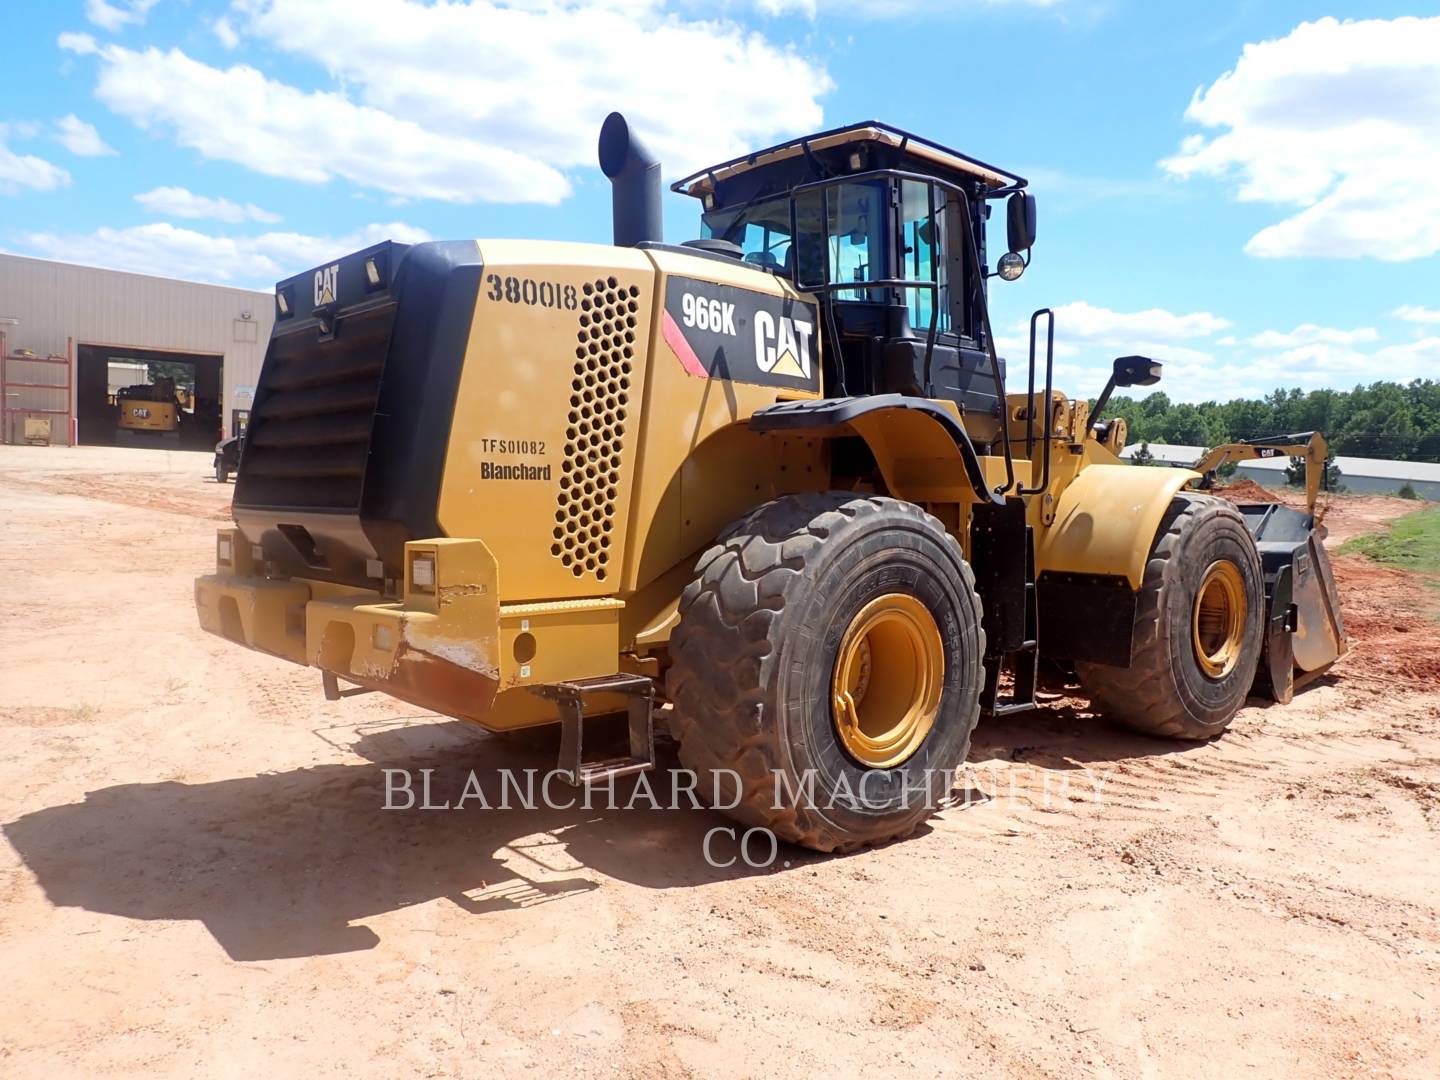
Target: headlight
225 551
422 572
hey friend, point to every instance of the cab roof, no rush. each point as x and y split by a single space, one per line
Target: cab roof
899 141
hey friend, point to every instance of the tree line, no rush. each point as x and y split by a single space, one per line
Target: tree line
1382 420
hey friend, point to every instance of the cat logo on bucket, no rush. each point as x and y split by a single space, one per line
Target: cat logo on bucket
782 345
326 283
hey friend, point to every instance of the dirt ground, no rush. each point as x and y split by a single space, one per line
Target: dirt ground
197 877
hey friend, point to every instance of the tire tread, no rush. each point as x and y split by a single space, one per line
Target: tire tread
722 645
1142 695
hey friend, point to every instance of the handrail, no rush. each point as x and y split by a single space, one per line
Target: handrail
1030 406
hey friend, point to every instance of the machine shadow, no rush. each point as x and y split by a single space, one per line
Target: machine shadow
282 864
1063 734
289 864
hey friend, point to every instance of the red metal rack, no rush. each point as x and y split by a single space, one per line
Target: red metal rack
8 385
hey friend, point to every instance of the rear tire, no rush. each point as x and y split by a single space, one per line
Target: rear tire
1198 627
767 640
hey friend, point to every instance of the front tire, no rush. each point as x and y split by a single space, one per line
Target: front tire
829 655
1198 627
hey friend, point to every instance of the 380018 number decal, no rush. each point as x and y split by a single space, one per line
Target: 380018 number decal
518 290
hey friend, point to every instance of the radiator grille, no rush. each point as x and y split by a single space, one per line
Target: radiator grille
594 439
310 429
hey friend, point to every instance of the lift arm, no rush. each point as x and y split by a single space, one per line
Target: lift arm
1310 445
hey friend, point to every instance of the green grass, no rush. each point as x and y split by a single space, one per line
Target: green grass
1411 542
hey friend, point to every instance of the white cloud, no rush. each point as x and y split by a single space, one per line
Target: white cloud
468 102
1340 120
80 44
171 251
1318 365
1088 324
1412 360
80 138
881 9
1310 334
1199 366
539 77
181 202
1312 366
26 170
112 17
1416 314
1310 356
225 33
1202 377
784 7
1088 338
239 115
1071 190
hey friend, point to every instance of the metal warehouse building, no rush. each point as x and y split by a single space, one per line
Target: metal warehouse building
73 337
1370 476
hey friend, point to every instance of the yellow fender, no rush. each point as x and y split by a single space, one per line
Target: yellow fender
1106 519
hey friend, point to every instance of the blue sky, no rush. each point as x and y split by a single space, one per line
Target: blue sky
1247 190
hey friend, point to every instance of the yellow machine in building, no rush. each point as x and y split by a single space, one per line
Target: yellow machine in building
768 484
148 410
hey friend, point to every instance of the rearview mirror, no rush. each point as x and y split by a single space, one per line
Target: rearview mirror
1127 371
1136 371
1020 221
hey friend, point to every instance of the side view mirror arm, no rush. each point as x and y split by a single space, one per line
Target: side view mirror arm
1100 403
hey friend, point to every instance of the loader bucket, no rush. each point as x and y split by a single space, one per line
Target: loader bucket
1304 631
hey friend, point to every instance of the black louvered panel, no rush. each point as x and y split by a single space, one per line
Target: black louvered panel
315 430
314 414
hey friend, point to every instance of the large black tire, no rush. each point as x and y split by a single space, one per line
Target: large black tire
755 650
1167 690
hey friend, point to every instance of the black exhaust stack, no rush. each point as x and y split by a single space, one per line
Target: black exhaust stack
634 175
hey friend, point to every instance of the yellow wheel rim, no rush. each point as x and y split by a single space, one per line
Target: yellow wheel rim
889 673
1218 623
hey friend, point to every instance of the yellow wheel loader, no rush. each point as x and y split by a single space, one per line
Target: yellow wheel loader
769 485
148 412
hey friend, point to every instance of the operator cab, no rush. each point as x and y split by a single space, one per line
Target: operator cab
889 230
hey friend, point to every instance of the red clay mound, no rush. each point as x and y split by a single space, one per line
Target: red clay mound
1391 639
1246 491
1388 613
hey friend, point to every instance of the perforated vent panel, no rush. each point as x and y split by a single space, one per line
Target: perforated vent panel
595 437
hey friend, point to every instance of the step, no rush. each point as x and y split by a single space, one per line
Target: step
570 696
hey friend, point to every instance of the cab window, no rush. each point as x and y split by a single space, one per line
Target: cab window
922 254
850 240
762 230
